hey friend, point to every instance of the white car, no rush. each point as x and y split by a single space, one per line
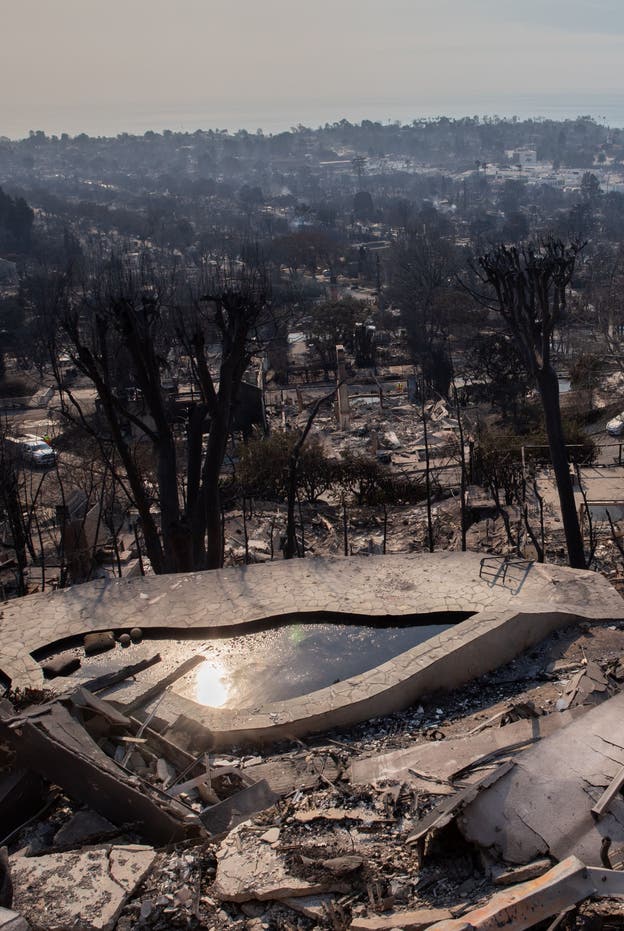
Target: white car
616 426
34 450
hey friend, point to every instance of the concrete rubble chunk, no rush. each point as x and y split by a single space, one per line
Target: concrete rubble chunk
588 687
312 906
62 665
390 440
11 921
248 869
130 864
271 836
84 889
82 827
520 874
341 865
407 921
544 805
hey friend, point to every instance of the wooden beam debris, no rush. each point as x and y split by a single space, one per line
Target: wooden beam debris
609 794
155 690
114 678
59 748
527 904
83 699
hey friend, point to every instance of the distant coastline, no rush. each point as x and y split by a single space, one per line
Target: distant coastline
104 120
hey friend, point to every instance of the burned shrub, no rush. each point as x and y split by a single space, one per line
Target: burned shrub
368 483
264 463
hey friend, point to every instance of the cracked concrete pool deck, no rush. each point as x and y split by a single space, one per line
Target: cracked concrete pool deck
508 618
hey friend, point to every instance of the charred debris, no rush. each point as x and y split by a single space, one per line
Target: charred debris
495 805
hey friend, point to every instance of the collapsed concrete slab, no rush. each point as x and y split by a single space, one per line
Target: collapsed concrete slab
447 760
414 920
11 921
84 889
544 804
84 827
250 869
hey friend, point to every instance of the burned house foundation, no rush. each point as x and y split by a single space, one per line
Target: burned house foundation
299 806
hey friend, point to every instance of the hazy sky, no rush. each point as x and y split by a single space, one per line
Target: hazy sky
72 65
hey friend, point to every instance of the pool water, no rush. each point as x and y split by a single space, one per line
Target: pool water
248 670
290 661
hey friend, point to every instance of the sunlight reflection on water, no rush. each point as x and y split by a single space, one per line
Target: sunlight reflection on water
211 684
284 662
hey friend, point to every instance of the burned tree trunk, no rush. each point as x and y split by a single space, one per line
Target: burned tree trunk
125 331
12 505
527 286
549 392
211 495
290 547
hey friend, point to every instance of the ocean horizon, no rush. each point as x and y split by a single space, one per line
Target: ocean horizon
104 120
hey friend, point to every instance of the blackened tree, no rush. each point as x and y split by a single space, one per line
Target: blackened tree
527 285
334 322
422 279
121 329
16 222
495 364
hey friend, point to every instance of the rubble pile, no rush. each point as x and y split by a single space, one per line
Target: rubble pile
391 434
496 804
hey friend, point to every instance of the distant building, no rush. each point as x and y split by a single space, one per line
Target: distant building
525 156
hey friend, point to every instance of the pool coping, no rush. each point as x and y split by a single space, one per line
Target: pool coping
443 662
505 622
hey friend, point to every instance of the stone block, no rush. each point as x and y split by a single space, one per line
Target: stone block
249 869
81 828
84 889
98 642
11 921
